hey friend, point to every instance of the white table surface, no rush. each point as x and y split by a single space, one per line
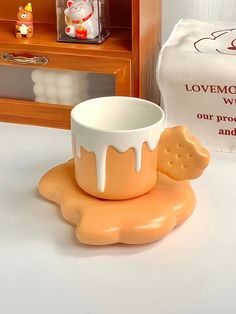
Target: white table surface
44 270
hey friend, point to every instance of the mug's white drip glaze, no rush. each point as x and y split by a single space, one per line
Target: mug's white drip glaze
98 141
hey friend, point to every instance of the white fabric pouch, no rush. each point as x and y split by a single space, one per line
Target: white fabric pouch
196 74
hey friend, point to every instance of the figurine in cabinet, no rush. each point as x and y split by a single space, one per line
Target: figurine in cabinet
24 22
81 18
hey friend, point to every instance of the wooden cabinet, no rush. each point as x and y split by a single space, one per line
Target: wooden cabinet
129 54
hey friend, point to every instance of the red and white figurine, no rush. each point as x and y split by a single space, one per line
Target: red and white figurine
81 18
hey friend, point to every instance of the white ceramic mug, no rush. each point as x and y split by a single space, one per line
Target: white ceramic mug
115 146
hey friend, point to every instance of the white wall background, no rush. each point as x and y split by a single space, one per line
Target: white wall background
212 10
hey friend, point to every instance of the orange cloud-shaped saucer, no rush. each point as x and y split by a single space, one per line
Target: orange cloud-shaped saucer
136 221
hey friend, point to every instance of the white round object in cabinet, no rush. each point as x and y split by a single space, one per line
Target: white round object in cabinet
40 99
39 90
50 77
37 76
80 87
65 93
62 102
52 100
65 101
51 91
64 79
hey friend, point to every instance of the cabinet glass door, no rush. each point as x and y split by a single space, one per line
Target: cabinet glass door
53 86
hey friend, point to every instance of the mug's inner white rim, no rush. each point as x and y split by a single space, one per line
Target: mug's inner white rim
117 113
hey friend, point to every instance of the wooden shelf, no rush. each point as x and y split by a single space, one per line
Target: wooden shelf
45 40
20 111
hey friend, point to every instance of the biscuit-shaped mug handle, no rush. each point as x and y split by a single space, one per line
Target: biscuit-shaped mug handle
180 155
